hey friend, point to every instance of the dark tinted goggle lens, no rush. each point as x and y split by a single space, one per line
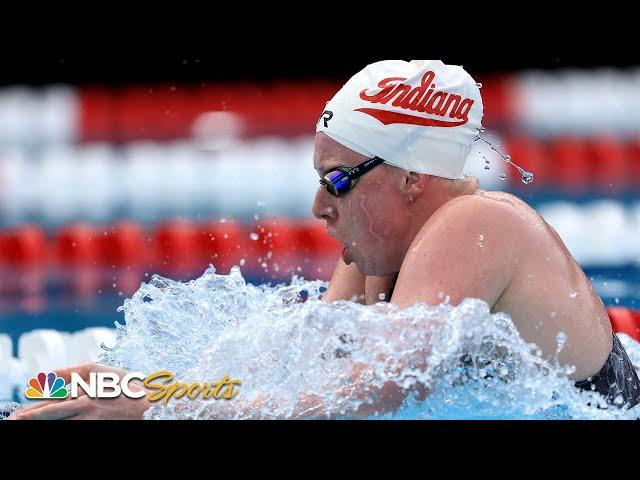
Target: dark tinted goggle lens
337 182
342 179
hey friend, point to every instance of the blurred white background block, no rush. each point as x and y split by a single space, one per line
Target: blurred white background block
6 348
84 346
42 350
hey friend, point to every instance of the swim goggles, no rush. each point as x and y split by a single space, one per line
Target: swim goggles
340 180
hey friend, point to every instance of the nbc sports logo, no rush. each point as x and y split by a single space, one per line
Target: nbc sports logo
44 386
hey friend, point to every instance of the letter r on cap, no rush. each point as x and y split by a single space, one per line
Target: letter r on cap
325 117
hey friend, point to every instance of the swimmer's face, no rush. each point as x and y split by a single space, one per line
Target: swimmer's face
370 220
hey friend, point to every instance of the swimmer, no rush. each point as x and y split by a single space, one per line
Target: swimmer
390 149
416 229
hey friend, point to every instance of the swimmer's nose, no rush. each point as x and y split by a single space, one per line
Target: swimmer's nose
323 206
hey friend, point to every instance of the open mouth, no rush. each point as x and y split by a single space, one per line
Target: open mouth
346 254
347 258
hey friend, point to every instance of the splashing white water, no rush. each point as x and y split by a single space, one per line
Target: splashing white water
308 359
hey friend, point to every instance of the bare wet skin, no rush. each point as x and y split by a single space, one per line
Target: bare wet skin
370 217
416 238
549 292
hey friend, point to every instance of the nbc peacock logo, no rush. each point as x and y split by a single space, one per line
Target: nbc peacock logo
45 386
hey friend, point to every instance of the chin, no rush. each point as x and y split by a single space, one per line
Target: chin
373 269
362 269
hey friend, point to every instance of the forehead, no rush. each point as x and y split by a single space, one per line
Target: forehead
330 154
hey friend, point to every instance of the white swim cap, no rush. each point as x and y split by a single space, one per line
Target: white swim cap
421 116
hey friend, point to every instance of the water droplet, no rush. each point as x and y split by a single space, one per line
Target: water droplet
486 167
243 261
382 296
573 294
527 178
254 236
617 300
561 338
502 176
479 85
256 217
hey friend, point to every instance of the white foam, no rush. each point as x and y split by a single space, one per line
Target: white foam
291 356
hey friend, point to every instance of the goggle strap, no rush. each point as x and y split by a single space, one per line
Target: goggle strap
363 168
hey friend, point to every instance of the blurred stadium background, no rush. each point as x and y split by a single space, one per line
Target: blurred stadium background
106 182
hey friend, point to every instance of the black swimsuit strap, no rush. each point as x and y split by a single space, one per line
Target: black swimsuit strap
617 378
393 286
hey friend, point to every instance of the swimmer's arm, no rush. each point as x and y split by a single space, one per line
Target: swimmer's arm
357 400
346 283
460 254
84 407
371 400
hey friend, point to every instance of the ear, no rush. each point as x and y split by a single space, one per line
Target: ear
414 185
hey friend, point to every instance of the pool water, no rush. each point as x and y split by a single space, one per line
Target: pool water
289 351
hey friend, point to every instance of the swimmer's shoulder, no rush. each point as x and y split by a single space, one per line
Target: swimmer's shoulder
518 214
467 248
502 201
505 224
497 209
